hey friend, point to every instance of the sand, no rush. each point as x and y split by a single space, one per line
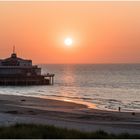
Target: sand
20 109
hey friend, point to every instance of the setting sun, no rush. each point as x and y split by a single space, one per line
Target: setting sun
68 41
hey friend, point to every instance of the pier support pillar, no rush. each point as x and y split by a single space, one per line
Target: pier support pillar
52 80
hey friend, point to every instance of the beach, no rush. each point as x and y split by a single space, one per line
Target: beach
23 109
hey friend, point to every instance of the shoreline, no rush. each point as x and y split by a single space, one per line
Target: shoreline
19 109
88 104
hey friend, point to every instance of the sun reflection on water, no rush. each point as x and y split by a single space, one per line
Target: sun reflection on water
89 105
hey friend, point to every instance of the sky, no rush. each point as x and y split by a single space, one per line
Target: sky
101 32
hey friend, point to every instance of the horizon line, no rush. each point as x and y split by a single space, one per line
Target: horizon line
69 0
81 63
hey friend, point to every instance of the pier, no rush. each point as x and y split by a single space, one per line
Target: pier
19 71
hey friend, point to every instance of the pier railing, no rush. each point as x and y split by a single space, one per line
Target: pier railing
46 79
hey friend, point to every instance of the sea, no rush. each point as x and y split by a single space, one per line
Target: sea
100 86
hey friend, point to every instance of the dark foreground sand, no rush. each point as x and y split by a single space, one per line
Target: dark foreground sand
20 109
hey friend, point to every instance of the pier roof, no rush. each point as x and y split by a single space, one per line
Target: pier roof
13 60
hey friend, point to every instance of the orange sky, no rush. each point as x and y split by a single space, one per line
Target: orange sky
102 32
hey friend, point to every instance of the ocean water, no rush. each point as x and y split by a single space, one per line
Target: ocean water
102 86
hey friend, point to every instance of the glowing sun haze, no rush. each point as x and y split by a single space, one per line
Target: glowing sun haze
68 41
71 32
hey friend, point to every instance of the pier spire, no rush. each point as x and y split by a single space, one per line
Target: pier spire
13 48
14 55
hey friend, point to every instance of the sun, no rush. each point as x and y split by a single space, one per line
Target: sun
68 41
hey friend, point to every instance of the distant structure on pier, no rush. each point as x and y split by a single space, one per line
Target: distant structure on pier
18 71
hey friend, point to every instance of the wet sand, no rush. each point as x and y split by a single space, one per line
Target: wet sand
20 109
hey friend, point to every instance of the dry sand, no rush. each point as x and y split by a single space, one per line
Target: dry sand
20 109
